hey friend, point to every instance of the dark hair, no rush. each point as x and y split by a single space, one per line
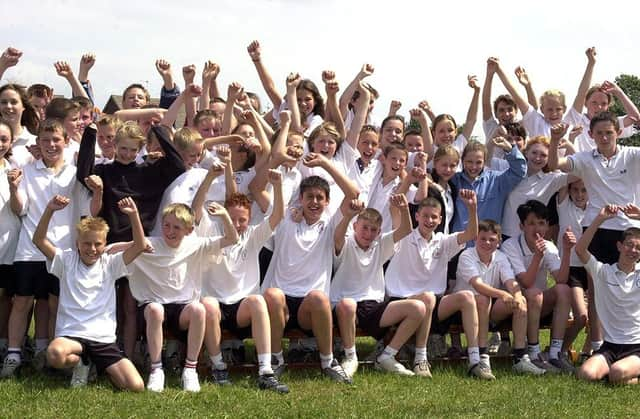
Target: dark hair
605 116
318 108
82 102
630 232
491 227
314 182
40 90
411 131
29 118
534 207
430 202
60 108
251 155
395 146
392 118
136 86
503 98
516 129
6 124
52 125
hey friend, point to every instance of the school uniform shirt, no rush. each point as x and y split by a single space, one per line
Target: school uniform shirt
535 123
609 181
236 273
39 184
420 265
364 176
358 272
496 274
10 230
379 199
520 256
540 186
569 215
584 142
87 302
302 256
70 152
616 296
172 275
291 179
19 152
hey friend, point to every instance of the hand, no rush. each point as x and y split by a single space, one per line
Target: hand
58 202
86 63
522 76
285 117
35 151
63 69
568 239
395 106
14 176
295 152
332 87
366 71
234 91
10 57
355 207
632 211
127 206
417 174
214 209
469 198
541 245
293 80
558 131
610 88
493 64
253 144
243 101
274 176
419 115
508 300
163 67
154 155
296 214
94 182
520 302
473 82
575 131
503 144
315 160
254 50
223 151
567 146
608 212
420 160
210 71
189 73
398 200
424 105
328 75
148 247
193 90
591 55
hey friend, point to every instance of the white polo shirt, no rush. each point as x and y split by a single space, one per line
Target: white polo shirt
584 142
420 265
358 272
87 304
613 181
520 256
19 152
535 124
172 275
540 186
496 274
379 195
302 256
570 216
236 275
364 178
616 296
39 184
10 230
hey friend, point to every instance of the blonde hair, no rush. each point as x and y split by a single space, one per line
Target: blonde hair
185 138
87 224
329 129
446 151
372 215
131 130
554 94
109 121
182 212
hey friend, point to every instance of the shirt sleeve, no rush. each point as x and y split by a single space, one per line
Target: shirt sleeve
116 266
505 271
387 246
451 245
55 266
513 255
551 257
467 269
593 267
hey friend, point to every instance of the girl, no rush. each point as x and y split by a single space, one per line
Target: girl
305 103
445 164
23 119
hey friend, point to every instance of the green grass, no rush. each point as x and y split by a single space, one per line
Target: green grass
449 394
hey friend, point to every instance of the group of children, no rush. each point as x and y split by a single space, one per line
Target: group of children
312 216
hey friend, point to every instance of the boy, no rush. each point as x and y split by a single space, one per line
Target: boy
419 271
357 289
30 190
486 272
86 321
167 283
617 290
532 257
297 280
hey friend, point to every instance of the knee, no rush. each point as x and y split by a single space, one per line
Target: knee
483 303
211 308
563 293
55 356
274 297
154 312
22 304
135 384
533 297
417 310
256 303
198 311
428 299
617 374
467 299
318 300
346 308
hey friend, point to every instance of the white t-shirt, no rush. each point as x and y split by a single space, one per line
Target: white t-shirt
358 272
364 178
70 152
520 256
236 275
87 304
540 187
570 216
535 123
613 181
420 265
616 297
172 275
496 274
584 142
302 256
378 198
10 230
19 152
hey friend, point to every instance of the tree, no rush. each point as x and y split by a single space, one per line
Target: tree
629 84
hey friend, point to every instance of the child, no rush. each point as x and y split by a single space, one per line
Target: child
39 96
86 320
418 271
296 286
68 112
616 298
486 272
357 289
167 284
445 162
305 103
391 130
532 257
107 126
504 108
16 109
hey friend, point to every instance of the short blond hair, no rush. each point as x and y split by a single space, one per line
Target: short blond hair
182 212
109 121
131 130
87 224
185 138
555 94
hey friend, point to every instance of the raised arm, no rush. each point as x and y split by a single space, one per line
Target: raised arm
9 58
332 110
293 81
229 122
399 203
418 114
277 214
349 211
16 198
520 102
568 242
394 107
255 52
198 200
64 70
585 83
525 81
230 234
128 206
94 183
630 108
349 188
487 110
470 201
424 105
262 155
209 74
188 95
47 248
472 113
87 62
361 108
189 75
86 155
582 247
230 186
356 83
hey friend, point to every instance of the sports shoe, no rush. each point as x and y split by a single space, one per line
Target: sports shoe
485 361
422 369
350 366
39 360
525 366
278 369
189 380
156 381
9 367
482 372
436 346
541 363
80 376
220 377
494 343
270 382
394 367
563 364
336 373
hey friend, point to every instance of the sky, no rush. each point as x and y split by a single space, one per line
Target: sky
420 50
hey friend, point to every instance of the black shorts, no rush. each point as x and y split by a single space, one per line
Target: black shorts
614 352
438 326
603 246
368 315
578 278
293 304
171 321
229 316
33 279
7 278
103 355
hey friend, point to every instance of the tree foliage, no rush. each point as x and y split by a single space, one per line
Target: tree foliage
630 84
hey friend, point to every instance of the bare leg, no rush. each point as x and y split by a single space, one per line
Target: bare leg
125 376
63 353
192 319
579 317
278 316
315 314
154 315
253 311
212 334
408 315
346 313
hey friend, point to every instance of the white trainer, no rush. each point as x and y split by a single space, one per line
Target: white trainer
156 381
392 366
190 380
80 376
350 366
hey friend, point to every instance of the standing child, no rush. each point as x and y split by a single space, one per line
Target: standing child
16 109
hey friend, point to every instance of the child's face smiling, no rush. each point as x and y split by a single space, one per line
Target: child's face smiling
174 230
11 106
91 246
306 102
629 250
552 109
537 157
73 126
446 167
314 201
444 132
414 143
5 140
506 112
240 217
578 194
394 162
134 99
473 163
365 232
368 145
533 226
326 145
596 103
126 150
487 243
428 218
52 145
191 156
392 132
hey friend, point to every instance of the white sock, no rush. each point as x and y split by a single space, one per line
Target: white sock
217 362
264 364
555 348
596 344
325 360
388 352
41 344
279 357
15 354
350 353
534 351
474 355
156 365
421 354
